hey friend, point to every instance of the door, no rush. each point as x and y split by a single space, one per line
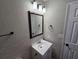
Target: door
71 32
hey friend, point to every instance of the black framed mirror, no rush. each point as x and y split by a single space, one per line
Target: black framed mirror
36 24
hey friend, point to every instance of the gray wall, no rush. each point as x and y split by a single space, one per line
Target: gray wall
13 18
55 16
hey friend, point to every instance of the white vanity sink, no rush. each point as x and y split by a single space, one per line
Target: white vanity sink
42 46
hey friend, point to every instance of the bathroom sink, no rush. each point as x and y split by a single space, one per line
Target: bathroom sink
42 46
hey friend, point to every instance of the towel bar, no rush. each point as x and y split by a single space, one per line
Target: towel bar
11 33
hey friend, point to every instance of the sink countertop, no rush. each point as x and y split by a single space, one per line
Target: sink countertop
42 46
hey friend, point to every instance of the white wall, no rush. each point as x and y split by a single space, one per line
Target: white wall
55 16
13 18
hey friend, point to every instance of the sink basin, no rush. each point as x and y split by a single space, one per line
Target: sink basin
42 46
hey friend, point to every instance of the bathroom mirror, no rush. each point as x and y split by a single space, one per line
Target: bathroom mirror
35 24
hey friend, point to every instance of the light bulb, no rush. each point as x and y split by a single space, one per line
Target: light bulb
40 7
44 10
34 5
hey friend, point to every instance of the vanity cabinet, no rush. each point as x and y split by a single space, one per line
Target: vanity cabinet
42 50
37 55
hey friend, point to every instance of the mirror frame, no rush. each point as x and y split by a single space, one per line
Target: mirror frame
29 20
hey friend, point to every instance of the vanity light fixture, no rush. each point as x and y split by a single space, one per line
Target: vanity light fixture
34 5
39 7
